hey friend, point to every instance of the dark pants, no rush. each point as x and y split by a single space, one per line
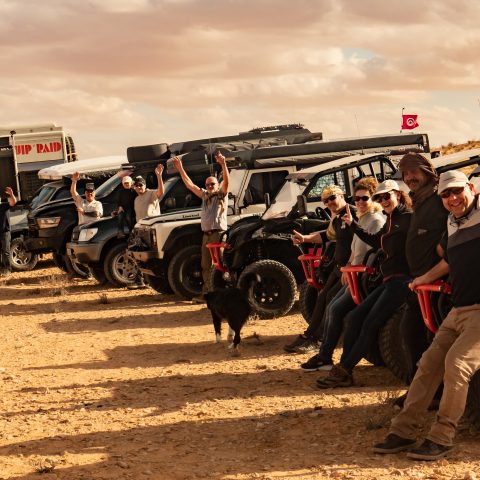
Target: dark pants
335 313
5 251
126 219
332 286
363 323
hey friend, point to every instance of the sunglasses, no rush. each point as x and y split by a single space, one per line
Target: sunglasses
138 185
455 190
382 197
210 184
364 198
331 198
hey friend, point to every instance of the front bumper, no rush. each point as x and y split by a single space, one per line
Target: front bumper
84 252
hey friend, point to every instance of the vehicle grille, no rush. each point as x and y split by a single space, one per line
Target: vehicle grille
140 239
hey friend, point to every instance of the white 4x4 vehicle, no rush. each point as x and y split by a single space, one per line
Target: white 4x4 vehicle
167 248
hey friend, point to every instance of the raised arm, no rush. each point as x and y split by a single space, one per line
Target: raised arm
73 187
225 174
158 173
12 200
177 161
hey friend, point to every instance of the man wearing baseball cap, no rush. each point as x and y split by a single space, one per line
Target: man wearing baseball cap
454 355
88 208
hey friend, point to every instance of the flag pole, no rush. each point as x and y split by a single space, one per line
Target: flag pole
401 128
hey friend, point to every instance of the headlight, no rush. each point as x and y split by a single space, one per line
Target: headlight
51 222
258 233
87 234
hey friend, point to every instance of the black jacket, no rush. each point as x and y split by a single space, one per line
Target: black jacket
391 239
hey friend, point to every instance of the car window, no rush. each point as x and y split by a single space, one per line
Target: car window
42 196
179 197
336 178
265 182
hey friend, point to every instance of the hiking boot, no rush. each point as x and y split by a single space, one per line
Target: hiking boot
429 450
393 443
302 344
315 363
338 377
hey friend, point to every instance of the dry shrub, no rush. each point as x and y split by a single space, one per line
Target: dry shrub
103 298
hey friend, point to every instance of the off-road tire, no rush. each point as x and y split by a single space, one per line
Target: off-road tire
21 260
76 269
270 288
307 298
390 345
217 281
159 284
119 266
185 272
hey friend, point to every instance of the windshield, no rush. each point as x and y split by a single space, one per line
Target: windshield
42 196
284 200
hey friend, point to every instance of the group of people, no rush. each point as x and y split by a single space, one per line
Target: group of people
432 232
424 236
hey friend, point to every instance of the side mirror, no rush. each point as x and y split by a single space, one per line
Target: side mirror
302 205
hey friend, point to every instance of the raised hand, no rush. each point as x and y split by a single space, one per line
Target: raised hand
347 218
9 191
220 158
178 163
75 176
159 169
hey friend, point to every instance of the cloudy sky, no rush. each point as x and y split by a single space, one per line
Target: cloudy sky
116 73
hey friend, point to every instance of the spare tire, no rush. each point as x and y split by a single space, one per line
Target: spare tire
270 287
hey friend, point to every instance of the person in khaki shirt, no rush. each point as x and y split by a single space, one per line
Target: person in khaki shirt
147 203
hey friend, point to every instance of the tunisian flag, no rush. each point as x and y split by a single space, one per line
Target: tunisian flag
409 122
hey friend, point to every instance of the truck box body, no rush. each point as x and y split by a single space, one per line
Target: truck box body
26 150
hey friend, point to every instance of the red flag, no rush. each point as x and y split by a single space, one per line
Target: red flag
409 122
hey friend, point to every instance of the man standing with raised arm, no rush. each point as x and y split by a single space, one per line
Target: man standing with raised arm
213 211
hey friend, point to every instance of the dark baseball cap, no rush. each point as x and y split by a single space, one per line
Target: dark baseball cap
89 187
140 181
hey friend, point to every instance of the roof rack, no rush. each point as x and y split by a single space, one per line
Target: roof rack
275 128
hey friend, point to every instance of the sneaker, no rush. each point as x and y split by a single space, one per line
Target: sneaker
302 344
338 377
393 443
316 363
429 450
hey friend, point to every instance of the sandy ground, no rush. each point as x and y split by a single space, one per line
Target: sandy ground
102 383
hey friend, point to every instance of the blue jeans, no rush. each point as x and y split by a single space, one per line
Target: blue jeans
336 310
5 251
363 323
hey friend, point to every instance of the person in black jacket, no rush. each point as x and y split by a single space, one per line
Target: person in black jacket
364 321
334 198
125 207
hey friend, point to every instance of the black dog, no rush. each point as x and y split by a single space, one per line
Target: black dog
231 305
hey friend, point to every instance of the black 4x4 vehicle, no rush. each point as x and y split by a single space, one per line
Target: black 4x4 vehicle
261 257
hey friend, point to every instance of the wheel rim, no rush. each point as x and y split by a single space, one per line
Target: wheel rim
19 255
125 268
267 292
